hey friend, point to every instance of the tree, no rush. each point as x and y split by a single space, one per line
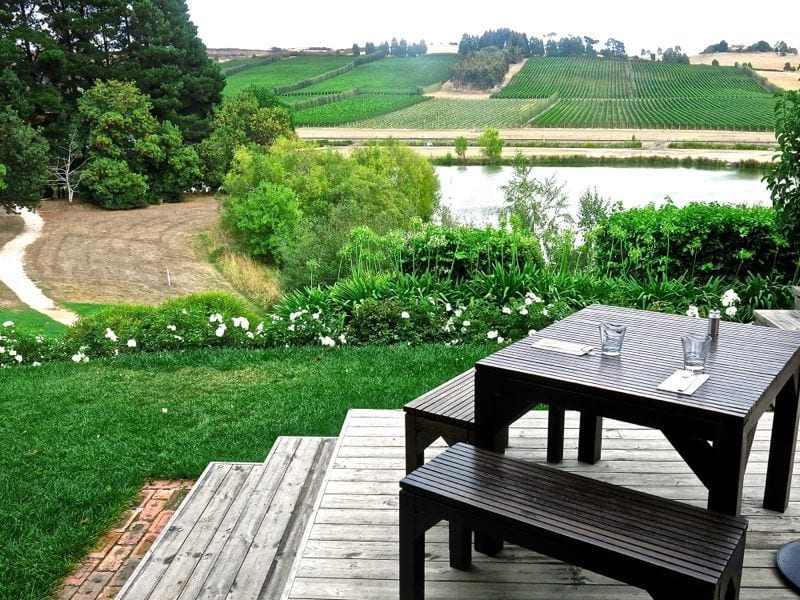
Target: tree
356 50
539 206
134 160
615 49
394 47
461 144
2 176
253 116
369 48
402 48
24 156
783 178
423 48
491 144
67 171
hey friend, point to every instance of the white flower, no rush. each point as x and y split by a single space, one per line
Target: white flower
342 339
220 330
327 341
294 315
729 298
78 356
178 337
39 339
500 339
184 311
131 343
290 327
523 311
316 315
457 312
528 301
447 307
492 334
12 352
405 315
260 327
251 335
8 324
171 327
165 410
431 300
2 349
693 312
506 310
18 358
533 298
111 335
730 311
545 312
531 332
216 318
467 323
36 363
241 322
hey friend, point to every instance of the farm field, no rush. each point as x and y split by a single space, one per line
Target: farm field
355 109
284 72
391 75
750 113
442 113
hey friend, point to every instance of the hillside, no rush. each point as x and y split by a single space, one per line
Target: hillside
767 64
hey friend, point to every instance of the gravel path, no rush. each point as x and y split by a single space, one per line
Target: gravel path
12 270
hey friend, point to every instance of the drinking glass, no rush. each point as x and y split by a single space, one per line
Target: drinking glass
695 352
611 336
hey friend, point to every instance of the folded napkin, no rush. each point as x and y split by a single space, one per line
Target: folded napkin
683 382
564 347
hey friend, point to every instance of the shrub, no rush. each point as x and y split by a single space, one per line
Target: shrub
698 240
455 253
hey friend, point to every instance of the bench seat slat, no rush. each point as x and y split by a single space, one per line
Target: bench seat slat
674 536
453 400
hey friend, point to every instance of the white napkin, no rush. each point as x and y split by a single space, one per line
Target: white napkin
681 383
564 347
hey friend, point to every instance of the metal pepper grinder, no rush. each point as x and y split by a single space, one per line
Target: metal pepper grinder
713 325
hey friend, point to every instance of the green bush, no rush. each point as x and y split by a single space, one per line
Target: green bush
455 253
698 240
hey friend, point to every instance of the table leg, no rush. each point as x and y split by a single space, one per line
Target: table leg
781 447
590 437
555 434
730 455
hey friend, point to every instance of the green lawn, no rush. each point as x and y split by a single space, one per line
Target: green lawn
27 319
78 441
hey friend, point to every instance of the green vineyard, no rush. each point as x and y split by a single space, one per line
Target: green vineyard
442 113
357 108
284 72
738 113
391 75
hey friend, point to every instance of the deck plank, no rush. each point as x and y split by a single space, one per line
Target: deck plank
351 547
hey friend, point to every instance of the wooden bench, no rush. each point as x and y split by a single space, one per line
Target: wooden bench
448 411
670 549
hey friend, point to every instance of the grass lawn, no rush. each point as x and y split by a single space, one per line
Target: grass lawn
78 441
29 320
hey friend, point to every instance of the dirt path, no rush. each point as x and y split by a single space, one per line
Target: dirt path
543 134
12 270
10 227
88 254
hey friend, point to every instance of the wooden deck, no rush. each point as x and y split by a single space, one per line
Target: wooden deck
350 546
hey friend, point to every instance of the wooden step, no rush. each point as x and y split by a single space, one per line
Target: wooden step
237 532
782 319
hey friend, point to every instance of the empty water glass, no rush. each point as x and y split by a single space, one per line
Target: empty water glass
611 336
695 352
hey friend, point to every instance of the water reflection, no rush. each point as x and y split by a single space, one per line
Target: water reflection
474 194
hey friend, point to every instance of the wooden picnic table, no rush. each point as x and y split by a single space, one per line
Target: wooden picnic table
750 367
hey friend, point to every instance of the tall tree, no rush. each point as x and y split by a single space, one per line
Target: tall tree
783 178
23 153
134 160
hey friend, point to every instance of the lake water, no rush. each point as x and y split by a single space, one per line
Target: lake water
474 194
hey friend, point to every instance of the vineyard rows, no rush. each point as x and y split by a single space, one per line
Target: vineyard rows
391 75
599 78
442 113
284 72
751 113
355 109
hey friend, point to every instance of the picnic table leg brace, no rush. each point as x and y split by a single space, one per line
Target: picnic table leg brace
781 446
730 459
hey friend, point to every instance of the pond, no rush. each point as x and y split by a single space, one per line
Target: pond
474 194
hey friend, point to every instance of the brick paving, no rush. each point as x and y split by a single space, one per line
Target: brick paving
113 559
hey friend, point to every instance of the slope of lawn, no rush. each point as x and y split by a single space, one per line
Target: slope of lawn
284 72
78 441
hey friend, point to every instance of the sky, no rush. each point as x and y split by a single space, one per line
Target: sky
693 25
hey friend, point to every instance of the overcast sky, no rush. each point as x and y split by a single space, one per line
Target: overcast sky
261 24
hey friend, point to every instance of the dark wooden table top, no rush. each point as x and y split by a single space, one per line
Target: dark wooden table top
748 364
